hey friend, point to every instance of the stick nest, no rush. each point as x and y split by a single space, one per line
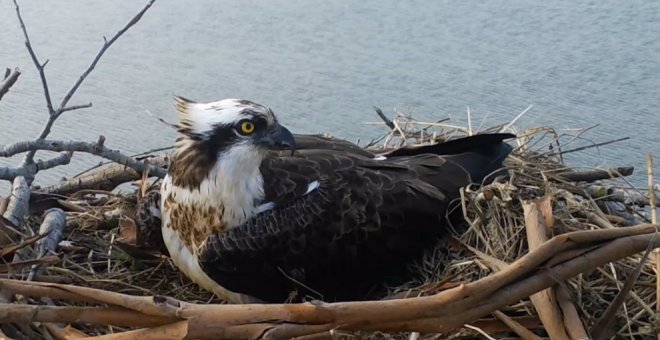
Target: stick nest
111 242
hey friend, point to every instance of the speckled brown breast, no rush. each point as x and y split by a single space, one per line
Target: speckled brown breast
194 223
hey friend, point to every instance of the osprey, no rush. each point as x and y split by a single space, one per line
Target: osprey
329 220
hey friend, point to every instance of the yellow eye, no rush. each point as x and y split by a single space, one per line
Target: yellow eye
247 127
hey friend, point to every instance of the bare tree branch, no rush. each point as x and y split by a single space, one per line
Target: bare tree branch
96 148
63 159
40 67
76 107
9 173
28 171
55 113
106 45
9 80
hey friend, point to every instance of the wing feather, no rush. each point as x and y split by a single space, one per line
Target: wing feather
340 239
366 221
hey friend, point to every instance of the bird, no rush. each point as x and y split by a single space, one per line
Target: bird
256 214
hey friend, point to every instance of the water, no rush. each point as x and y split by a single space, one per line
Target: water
322 65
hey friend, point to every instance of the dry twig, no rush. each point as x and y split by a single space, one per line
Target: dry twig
10 78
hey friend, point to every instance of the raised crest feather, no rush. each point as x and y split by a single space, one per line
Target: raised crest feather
182 104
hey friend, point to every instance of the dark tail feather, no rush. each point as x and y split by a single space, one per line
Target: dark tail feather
483 163
456 146
474 159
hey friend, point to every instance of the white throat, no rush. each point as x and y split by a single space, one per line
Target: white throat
238 183
234 184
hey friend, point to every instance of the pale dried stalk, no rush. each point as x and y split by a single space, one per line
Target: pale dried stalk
545 302
476 329
65 333
574 326
519 329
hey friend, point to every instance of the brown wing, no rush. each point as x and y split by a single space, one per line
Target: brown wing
339 240
364 224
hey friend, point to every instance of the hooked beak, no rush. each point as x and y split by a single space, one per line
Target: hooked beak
280 137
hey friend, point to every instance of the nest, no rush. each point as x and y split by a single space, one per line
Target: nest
547 251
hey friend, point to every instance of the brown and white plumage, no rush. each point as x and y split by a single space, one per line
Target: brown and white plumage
331 221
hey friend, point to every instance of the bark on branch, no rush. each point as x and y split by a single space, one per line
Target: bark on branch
19 201
29 170
107 178
96 148
53 227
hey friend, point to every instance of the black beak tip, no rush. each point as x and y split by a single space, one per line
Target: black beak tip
285 139
289 143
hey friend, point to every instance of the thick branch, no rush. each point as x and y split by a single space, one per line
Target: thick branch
29 170
20 313
63 159
18 201
107 178
9 81
598 174
93 148
53 227
9 173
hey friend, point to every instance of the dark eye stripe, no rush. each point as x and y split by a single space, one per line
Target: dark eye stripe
260 122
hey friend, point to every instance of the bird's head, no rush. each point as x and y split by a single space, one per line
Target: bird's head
232 133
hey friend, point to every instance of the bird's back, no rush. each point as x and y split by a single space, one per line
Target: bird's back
340 223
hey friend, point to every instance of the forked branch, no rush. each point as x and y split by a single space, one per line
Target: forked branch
95 148
54 113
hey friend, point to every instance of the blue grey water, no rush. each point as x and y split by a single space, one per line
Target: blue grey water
322 65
